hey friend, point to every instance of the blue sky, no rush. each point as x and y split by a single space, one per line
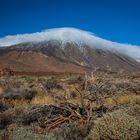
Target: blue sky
115 20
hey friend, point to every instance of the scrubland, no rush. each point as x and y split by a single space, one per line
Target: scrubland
94 106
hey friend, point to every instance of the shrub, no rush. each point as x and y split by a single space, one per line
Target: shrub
73 94
133 110
4 105
5 119
35 113
69 132
28 95
23 133
116 126
25 94
1 90
50 84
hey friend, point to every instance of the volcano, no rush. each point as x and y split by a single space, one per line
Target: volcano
66 50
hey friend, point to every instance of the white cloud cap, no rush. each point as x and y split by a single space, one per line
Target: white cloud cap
73 35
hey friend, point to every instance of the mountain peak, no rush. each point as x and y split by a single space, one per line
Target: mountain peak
73 35
64 35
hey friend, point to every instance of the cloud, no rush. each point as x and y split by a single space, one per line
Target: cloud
73 35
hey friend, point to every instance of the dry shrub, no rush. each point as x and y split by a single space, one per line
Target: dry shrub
4 135
75 80
29 95
5 119
103 86
133 110
35 113
15 132
117 125
19 95
136 100
1 90
4 105
73 94
69 132
10 116
51 83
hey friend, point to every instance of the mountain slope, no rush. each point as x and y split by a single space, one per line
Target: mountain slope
67 50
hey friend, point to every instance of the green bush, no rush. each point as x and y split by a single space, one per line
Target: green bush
117 125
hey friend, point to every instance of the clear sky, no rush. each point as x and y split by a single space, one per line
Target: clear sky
115 20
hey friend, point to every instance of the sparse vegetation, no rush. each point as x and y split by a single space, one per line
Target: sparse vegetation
70 107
